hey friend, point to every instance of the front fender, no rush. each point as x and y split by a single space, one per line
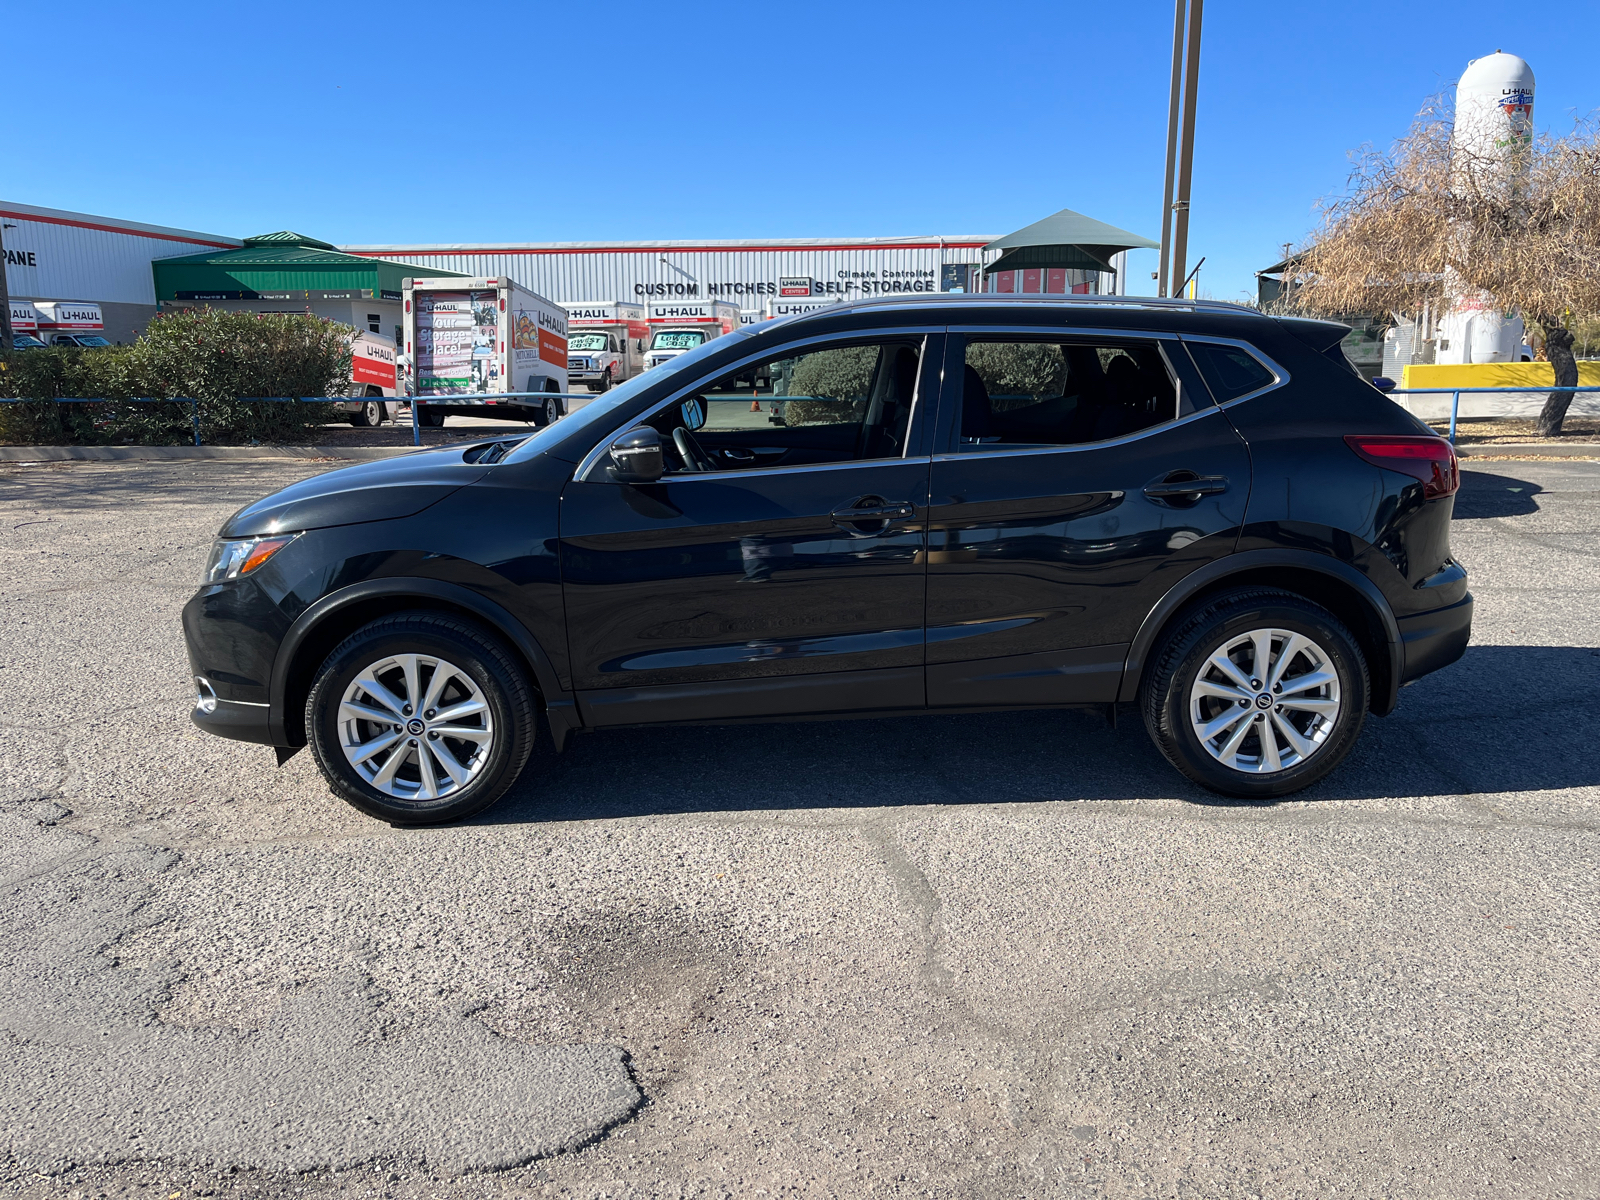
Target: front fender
558 703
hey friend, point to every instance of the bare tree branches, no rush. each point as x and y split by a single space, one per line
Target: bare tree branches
1428 221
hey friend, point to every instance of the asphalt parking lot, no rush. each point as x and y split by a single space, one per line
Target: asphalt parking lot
1001 956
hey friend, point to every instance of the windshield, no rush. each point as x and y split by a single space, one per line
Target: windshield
678 339
92 340
598 414
586 341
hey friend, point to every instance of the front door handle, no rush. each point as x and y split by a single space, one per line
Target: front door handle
870 515
1193 485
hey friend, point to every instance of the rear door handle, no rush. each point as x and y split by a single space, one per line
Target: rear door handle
883 512
1203 485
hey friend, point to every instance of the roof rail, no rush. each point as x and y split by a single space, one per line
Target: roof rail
1037 299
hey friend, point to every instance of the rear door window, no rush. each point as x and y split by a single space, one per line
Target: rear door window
1061 393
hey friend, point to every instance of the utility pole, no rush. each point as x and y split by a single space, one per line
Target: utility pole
5 293
1173 110
1180 142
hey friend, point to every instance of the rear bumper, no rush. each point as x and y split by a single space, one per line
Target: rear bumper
1435 639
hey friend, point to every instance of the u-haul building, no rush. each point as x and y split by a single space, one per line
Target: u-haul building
52 254
746 273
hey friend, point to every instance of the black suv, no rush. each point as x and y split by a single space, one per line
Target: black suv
938 504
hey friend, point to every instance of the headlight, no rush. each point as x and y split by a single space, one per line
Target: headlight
231 558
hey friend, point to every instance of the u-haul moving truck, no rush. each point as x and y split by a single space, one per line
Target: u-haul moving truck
470 337
605 341
677 326
374 379
24 325
70 323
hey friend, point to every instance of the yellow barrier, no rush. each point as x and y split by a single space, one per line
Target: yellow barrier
1471 375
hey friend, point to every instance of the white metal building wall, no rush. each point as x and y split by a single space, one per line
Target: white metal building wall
52 254
744 272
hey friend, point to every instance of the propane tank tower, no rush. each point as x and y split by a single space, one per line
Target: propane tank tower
1493 126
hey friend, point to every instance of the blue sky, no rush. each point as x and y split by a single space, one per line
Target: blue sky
408 122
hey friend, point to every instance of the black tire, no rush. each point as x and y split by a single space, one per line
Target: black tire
1170 683
605 381
369 414
492 670
430 416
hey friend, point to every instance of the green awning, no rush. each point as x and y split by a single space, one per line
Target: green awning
282 265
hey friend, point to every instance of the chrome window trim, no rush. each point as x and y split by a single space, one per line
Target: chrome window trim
1077 447
1280 376
581 475
799 468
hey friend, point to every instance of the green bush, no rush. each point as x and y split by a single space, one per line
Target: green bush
1014 370
42 375
219 358
831 383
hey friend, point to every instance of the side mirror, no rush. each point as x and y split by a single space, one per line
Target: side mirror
1384 384
636 456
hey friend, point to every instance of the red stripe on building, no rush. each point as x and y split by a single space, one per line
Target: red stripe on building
659 249
164 237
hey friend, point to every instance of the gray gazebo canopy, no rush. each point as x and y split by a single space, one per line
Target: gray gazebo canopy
1067 239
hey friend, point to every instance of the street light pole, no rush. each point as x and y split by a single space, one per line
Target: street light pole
5 293
1180 143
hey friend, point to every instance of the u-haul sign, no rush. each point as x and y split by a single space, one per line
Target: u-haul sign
372 360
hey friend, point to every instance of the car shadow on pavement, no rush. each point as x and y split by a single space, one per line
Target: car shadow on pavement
1452 735
1484 495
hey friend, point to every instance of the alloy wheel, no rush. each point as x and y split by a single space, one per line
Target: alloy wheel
415 727
1265 701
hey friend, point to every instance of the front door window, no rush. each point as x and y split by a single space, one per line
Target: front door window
826 405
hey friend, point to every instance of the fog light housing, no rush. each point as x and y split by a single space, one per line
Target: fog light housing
205 696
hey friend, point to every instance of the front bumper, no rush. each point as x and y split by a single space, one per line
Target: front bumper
235 719
1435 639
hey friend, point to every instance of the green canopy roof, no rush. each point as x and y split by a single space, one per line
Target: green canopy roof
281 266
1065 239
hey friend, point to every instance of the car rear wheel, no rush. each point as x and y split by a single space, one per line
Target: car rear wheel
430 416
1257 694
420 718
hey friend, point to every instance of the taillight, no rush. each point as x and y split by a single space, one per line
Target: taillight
1432 460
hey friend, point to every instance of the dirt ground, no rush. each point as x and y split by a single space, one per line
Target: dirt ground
1519 430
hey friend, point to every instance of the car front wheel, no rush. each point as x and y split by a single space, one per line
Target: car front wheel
1257 694
420 718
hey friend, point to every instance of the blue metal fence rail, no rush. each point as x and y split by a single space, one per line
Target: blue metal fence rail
1457 393
474 399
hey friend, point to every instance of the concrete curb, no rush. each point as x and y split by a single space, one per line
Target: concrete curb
1533 450
178 453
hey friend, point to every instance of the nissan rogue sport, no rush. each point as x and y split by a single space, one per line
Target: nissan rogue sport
933 505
